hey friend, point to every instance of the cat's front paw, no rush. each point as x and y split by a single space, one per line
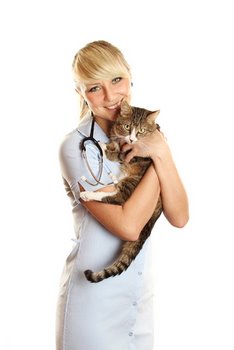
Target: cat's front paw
86 196
92 196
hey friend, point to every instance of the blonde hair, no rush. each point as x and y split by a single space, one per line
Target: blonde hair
98 60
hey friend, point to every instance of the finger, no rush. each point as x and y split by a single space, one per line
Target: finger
126 147
164 137
129 156
162 134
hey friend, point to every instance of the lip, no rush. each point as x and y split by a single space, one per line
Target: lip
113 106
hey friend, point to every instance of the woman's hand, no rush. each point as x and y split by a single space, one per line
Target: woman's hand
174 197
151 146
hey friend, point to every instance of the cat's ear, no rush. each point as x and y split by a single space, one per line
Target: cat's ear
125 108
153 115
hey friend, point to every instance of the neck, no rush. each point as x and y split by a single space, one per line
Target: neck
105 125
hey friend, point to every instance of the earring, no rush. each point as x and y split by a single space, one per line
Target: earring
131 84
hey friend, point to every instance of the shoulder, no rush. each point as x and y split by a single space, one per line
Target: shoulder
70 144
72 139
69 140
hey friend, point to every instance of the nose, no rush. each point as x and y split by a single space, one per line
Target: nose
109 93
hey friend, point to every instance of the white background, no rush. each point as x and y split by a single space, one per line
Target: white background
182 62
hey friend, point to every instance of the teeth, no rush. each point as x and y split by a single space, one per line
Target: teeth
113 107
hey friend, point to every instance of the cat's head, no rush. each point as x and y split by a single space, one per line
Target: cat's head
134 123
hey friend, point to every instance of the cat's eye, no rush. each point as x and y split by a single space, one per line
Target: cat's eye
141 131
126 126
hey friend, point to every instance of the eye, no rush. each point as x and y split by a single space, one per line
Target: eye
126 126
116 80
94 88
141 131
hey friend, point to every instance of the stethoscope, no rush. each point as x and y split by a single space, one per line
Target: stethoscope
97 177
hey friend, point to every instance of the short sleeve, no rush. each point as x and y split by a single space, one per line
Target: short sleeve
74 167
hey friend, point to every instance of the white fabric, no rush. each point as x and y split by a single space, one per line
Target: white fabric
117 313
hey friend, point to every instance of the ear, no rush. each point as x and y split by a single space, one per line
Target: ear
153 115
125 108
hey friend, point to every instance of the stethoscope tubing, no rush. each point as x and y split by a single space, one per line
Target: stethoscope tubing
90 138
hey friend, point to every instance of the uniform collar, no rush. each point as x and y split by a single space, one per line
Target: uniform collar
84 128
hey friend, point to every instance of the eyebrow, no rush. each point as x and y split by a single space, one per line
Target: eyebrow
91 84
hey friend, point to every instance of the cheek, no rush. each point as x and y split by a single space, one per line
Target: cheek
124 88
93 100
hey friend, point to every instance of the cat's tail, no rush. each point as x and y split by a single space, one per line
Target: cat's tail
127 255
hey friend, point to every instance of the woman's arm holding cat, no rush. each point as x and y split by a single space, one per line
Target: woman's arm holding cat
174 197
127 221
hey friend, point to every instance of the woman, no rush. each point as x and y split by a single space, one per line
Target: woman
116 313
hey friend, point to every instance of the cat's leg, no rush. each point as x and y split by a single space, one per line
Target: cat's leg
111 150
95 196
123 191
114 197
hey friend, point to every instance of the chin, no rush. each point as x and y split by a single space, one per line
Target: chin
114 114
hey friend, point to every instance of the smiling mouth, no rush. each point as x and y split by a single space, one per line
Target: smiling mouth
115 106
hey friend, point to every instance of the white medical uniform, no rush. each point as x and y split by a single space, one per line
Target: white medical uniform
117 313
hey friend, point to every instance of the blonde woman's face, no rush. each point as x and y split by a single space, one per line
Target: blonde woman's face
104 96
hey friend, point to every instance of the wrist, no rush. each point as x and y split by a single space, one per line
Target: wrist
162 154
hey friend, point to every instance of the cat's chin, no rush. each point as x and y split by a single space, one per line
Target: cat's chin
131 142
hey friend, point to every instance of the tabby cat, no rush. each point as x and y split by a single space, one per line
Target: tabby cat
132 124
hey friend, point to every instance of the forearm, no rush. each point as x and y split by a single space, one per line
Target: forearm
174 197
128 220
141 205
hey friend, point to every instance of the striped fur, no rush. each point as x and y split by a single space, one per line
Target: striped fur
137 122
